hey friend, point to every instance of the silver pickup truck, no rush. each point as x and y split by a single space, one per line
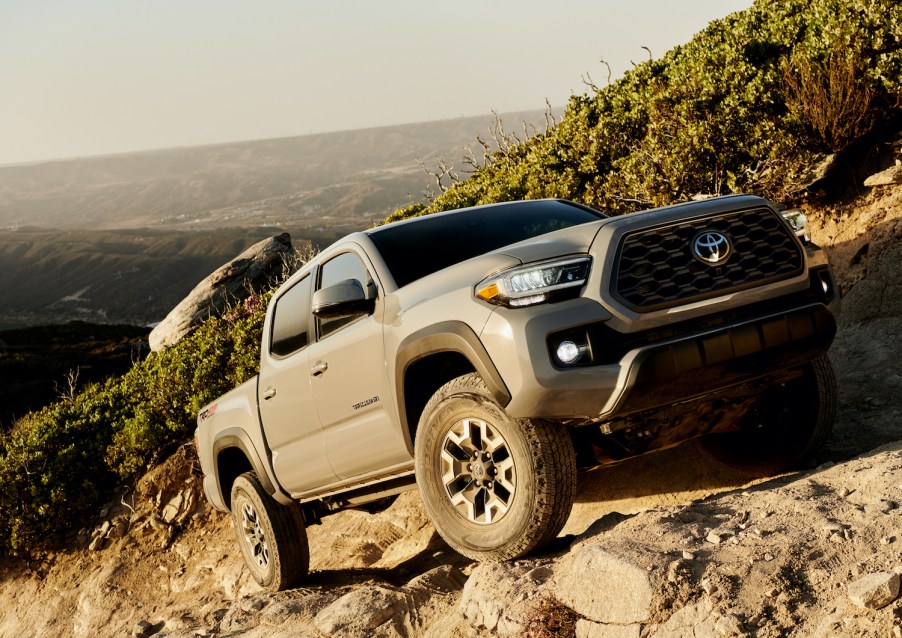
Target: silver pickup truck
486 355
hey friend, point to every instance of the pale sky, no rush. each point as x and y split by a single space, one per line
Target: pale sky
88 77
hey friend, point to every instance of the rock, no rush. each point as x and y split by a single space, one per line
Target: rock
119 528
717 536
172 508
145 629
361 611
889 177
692 620
603 586
97 543
688 556
498 597
816 173
728 625
424 540
588 629
251 270
874 591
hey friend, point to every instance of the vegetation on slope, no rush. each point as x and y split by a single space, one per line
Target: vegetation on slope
59 464
750 104
40 364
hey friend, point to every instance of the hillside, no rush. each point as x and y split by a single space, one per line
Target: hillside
690 548
44 363
343 181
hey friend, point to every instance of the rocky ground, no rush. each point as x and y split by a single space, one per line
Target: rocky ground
663 546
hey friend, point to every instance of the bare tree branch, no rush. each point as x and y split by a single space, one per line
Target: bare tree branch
444 169
549 115
69 391
608 67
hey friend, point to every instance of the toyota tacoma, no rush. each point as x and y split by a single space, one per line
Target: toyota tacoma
486 355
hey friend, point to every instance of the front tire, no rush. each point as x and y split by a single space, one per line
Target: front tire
494 487
786 429
272 536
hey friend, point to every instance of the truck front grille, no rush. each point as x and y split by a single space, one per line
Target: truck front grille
656 269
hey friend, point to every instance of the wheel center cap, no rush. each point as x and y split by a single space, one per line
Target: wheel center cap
478 470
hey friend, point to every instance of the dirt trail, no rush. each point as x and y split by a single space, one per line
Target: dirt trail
175 562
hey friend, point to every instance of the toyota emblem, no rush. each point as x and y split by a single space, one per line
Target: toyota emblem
711 247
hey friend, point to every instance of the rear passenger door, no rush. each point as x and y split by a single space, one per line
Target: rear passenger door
287 408
350 380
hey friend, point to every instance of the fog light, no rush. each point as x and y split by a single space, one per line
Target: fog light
567 352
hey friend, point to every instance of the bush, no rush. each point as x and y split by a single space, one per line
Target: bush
750 104
59 464
828 98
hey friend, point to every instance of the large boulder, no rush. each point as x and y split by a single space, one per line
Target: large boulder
250 271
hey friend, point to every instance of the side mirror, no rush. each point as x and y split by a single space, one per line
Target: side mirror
344 299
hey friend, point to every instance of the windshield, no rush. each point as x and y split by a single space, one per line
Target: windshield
420 247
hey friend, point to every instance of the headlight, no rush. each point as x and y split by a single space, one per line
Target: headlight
799 223
534 283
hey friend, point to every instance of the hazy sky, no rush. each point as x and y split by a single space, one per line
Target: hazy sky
85 77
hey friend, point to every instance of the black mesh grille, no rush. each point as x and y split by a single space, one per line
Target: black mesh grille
656 268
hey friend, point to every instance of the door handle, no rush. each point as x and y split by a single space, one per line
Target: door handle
269 393
318 368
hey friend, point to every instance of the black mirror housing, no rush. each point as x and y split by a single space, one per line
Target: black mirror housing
344 299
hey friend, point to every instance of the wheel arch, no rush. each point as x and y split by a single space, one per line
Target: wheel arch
233 455
429 358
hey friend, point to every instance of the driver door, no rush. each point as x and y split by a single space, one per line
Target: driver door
350 381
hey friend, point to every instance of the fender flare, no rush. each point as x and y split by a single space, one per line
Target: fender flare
446 336
238 438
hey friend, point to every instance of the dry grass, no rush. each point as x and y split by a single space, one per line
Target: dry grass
830 96
551 619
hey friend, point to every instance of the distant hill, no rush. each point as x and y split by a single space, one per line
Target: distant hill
130 276
123 238
343 181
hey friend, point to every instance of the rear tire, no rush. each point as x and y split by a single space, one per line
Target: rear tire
494 487
786 430
272 536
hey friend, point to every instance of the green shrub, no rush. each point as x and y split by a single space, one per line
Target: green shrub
750 104
59 464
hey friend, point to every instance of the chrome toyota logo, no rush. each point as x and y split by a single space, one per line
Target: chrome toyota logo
711 247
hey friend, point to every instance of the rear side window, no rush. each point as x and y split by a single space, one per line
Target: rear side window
291 320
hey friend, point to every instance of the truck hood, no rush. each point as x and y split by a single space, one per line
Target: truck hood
569 241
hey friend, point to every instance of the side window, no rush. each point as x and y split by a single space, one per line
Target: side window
291 317
344 266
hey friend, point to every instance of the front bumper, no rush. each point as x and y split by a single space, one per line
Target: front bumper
637 372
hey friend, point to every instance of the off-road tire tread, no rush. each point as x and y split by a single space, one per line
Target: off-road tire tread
822 403
555 477
289 549
826 407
